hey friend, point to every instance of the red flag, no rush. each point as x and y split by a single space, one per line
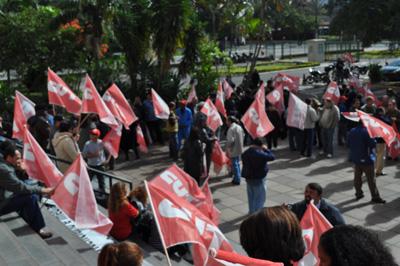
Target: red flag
192 95
276 98
314 224
356 83
394 148
332 92
353 116
181 222
297 112
255 120
377 128
178 182
218 157
348 58
291 83
60 94
369 93
213 212
219 101
235 259
93 103
38 165
140 139
227 89
112 140
161 109
75 196
23 110
119 106
214 120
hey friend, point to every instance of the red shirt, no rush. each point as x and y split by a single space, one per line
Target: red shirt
122 227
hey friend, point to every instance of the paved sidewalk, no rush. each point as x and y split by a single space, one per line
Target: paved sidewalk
286 181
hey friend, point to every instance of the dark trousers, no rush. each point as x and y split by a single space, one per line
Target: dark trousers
308 142
155 131
369 171
272 138
292 138
27 206
100 177
342 133
173 146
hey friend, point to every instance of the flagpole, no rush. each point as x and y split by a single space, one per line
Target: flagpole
157 223
55 188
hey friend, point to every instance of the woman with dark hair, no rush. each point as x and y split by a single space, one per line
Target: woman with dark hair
121 212
348 245
120 254
274 234
193 156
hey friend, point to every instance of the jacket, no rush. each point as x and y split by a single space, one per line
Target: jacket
362 146
329 117
255 162
10 185
311 118
331 213
184 117
65 148
193 160
234 140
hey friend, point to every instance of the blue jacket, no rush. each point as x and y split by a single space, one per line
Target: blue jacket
184 117
149 111
362 146
255 162
331 213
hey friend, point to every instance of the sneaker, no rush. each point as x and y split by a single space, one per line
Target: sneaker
380 174
45 234
358 197
329 155
378 200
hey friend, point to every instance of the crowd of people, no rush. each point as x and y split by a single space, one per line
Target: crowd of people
270 233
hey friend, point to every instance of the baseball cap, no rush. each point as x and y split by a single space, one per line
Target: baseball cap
95 132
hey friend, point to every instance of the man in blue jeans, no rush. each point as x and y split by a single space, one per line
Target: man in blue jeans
18 196
234 146
255 170
185 119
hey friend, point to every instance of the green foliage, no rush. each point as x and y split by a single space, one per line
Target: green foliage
375 74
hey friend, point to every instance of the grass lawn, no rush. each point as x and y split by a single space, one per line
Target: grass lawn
380 54
268 67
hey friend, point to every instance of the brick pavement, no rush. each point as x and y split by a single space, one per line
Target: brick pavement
285 184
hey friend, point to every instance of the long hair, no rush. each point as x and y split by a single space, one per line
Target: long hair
117 197
274 234
120 254
140 194
348 245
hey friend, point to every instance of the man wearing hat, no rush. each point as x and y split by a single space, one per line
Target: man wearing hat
185 119
94 152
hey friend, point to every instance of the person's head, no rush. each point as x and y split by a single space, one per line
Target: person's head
328 102
308 101
272 233
230 120
369 101
40 110
140 194
65 127
94 134
1 120
10 153
356 103
347 245
257 142
172 106
313 191
120 254
182 104
385 100
118 195
57 121
390 92
149 96
391 104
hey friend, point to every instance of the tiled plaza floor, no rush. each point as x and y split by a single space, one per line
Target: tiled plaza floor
288 175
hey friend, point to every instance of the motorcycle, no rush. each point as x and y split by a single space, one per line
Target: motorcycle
317 76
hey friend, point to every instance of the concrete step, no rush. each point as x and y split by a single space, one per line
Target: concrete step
30 240
67 245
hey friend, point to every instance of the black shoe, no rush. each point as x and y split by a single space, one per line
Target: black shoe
378 200
358 197
235 183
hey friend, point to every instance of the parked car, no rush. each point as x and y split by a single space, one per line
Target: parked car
391 72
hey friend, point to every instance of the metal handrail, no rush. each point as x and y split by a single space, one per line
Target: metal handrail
110 177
